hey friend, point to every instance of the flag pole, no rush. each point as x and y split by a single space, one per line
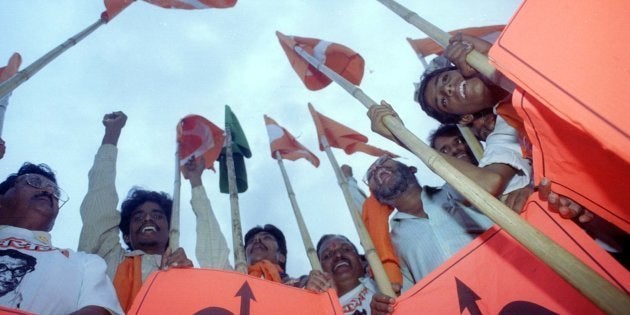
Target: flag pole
472 141
173 242
382 281
306 238
240 263
474 58
597 289
26 73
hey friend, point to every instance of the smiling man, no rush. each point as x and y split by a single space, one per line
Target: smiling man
35 276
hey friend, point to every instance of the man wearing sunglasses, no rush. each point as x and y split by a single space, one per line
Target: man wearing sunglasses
50 280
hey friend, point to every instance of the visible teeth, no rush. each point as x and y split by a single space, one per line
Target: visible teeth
461 156
341 264
149 229
462 89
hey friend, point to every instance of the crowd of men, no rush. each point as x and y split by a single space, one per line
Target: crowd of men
416 228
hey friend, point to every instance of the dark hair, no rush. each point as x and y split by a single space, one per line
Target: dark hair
449 130
277 234
137 197
329 236
27 168
30 260
443 117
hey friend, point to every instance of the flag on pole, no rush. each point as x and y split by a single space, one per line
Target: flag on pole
427 46
113 7
339 58
280 140
240 151
11 68
340 136
196 136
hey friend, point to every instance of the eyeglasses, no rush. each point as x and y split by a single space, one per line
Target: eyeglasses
40 182
378 163
16 272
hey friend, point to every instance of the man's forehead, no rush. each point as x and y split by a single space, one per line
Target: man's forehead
335 241
264 233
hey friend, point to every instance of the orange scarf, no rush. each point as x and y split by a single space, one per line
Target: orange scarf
376 218
128 280
266 270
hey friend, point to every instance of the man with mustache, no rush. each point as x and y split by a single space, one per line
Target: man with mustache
51 280
344 271
144 221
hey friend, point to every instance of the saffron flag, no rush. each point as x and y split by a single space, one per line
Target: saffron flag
573 105
208 291
196 136
240 151
427 46
6 73
280 140
113 7
340 136
338 58
494 274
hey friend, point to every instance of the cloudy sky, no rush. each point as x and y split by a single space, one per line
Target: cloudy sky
159 65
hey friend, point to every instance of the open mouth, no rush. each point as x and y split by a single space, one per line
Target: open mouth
462 89
341 264
462 156
149 229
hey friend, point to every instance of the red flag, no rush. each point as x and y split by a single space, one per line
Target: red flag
196 136
113 7
11 68
496 275
573 105
280 140
427 46
208 291
340 136
338 58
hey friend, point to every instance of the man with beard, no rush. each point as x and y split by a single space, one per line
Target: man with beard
344 271
51 280
144 221
266 254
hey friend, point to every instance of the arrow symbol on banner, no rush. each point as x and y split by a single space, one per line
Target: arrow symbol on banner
246 294
467 299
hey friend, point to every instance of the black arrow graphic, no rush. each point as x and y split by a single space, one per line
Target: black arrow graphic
246 294
467 298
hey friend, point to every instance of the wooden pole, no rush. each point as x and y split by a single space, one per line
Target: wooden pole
306 238
472 141
382 281
601 292
474 58
240 263
173 242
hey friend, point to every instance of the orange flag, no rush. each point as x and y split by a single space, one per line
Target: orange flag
280 140
340 136
208 291
113 7
338 58
196 136
496 275
11 68
427 46
573 105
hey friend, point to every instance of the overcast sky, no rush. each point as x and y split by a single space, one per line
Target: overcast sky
159 65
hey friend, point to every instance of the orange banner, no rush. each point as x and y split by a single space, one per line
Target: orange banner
207 291
573 104
496 275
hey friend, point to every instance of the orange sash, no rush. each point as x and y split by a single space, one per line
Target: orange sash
128 280
266 270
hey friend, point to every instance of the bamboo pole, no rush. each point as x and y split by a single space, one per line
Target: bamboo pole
597 289
472 141
474 58
173 240
240 263
382 281
306 238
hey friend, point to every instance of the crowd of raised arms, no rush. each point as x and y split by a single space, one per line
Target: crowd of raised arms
429 224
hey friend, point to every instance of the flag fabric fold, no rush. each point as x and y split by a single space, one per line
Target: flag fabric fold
197 136
6 72
280 140
427 46
337 57
114 7
240 151
340 136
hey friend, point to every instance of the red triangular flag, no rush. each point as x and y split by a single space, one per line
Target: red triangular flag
11 68
113 7
338 58
340 136
196 136
280 140
427 46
